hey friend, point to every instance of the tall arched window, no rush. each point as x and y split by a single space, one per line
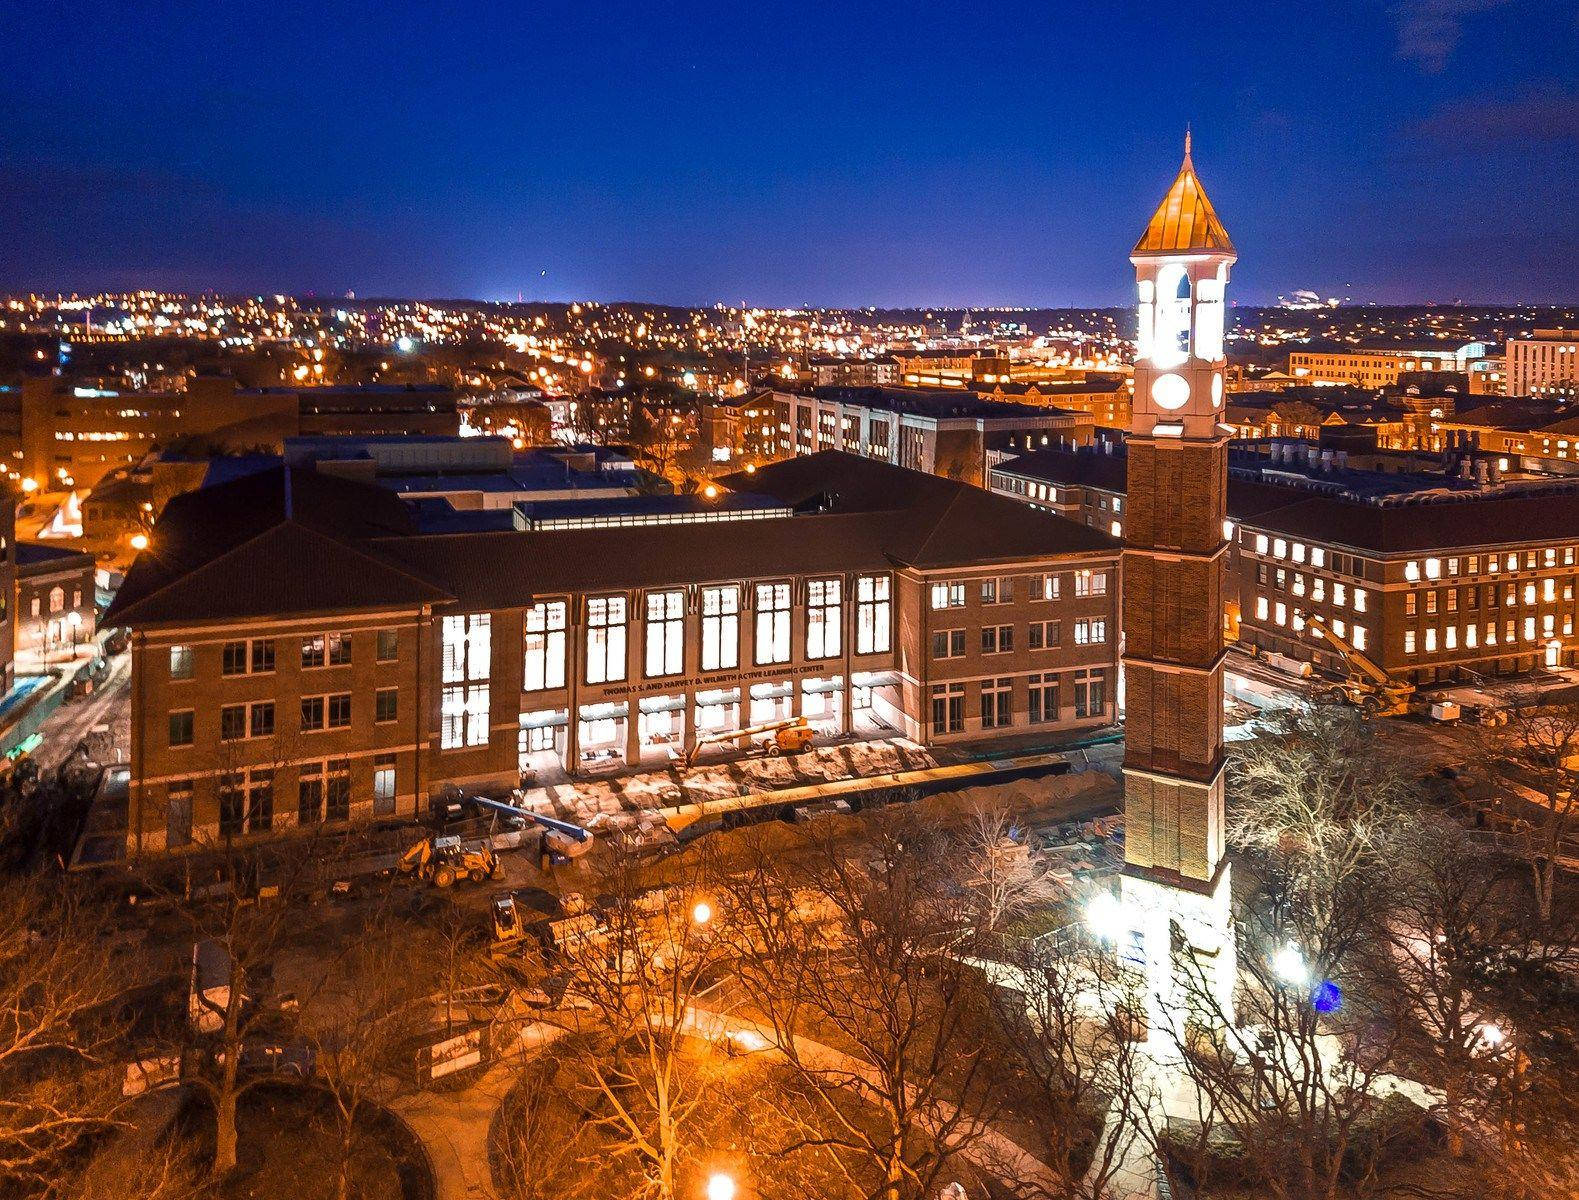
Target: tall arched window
1171 345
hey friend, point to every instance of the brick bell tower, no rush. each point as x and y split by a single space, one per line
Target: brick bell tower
1175 887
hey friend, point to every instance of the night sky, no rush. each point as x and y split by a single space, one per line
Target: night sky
780 153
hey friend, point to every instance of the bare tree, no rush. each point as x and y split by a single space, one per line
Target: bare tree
241 905
1534 762
639 975
1068 1032
1003 876
60 1033
854 953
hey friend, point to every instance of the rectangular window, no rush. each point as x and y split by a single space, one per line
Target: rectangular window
383 785
997 639
720 628
1090 583
1090 633
233 660
948 595
1043 706
313 653
996 707
1044 587
1409 641
388 645
260 801
312 713
309 795
948 708
181 662
232 806
337 792
1044 635
824 618
773 623
339 649
606 619
948 643
1411 604
386 705
545 645
232 722
464 716
873 615
339 707
665 634
260 719
1090 693
178 815
181 727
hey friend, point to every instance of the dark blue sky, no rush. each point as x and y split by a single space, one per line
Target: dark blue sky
785 153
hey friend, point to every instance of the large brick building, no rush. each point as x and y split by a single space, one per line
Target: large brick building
303 651
1434 575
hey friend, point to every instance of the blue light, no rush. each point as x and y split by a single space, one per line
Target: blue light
1327 998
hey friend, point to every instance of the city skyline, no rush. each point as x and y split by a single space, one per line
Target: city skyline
1395 154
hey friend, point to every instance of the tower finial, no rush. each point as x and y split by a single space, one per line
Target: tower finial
1186 142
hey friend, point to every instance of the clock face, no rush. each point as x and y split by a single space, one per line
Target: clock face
1170 391
1217 391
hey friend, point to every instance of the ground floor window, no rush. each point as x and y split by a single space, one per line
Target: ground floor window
948 708
232 806
178 815
997 708
1090 692
383 785
1043 701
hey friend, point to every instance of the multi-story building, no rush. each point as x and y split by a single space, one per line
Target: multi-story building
301 651
942 432
55 603
882 371
1103 398
72 436
1436 575
1379 368
1544 364
741 429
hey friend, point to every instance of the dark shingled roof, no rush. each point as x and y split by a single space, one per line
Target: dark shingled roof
1429 522
231 552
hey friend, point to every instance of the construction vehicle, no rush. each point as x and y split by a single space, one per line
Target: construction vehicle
773 738
563 838
1366 685
443 861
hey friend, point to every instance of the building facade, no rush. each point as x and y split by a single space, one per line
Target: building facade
1379 368
365 665
1545 364
947 433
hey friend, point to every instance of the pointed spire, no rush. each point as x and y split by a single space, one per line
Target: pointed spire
1185 221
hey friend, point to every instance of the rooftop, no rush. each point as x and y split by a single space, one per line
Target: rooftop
1185 221
936 403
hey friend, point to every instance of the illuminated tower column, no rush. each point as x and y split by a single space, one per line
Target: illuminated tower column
1175 884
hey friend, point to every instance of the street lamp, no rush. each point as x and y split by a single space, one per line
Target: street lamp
702 913
1105 916
720 1186
139 541
1289 964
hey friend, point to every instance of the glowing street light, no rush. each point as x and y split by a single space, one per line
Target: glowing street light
1492 1036
702 913
139 541
720 1187
1105 916
1289 964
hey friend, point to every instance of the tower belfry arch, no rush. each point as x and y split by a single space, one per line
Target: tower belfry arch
1175 887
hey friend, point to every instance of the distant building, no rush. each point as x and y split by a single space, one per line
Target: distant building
741 429
55 601
1103 398
1545 364
883 371
937 430
1378 368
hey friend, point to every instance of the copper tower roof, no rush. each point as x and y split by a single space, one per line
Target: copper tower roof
1185 222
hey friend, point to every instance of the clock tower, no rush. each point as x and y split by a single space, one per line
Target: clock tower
1175 884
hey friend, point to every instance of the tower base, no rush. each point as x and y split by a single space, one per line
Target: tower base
1183 940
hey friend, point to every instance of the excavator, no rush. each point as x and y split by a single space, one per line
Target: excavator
446 860
1366 685
789 736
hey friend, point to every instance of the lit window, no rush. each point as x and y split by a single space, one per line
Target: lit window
665 633
545 646
720 628
773 622
824 618
873 615
606 620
